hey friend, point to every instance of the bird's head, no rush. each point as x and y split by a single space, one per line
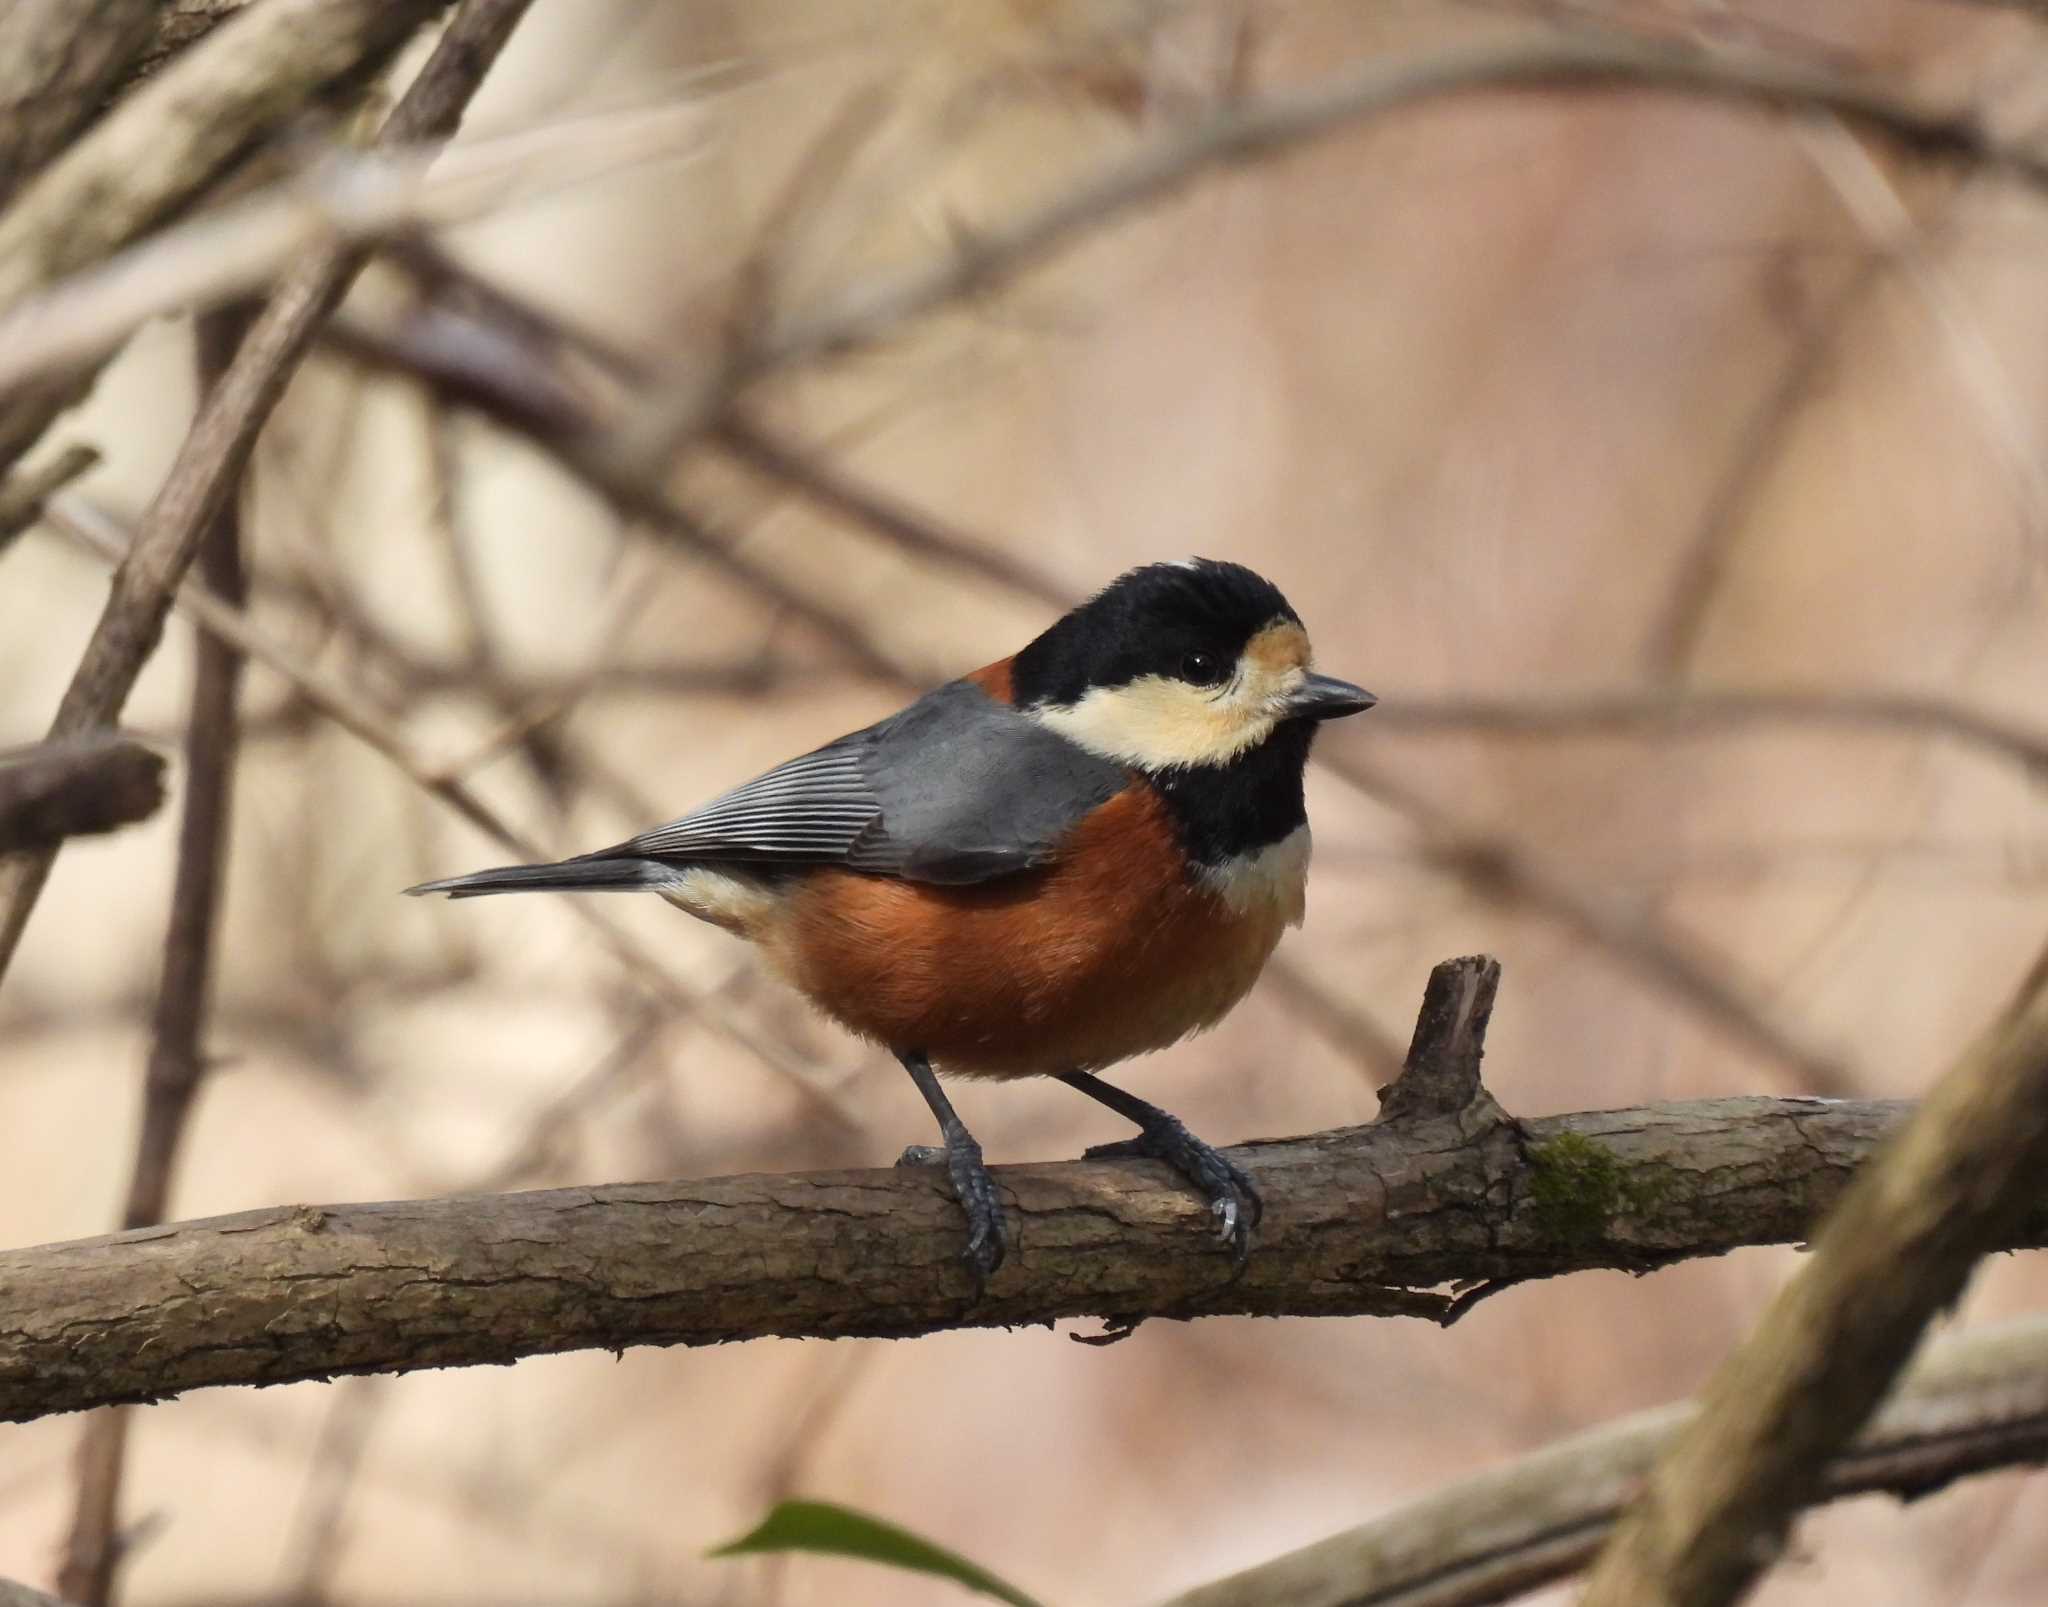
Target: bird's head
1180 665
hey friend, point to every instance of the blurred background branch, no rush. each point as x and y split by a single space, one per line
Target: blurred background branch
175 134
209 468
1947 1191
76 786
58 59
177 1055
1974 1403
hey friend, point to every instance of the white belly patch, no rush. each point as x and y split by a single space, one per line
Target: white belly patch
1271 881
736 902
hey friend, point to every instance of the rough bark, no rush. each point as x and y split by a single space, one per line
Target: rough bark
1368 1220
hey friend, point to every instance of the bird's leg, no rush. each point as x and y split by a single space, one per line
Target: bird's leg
972 1185
1161 1136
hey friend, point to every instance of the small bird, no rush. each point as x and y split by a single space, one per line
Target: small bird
1074 855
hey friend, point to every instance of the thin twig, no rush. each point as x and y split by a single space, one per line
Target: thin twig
93 1548
177 1059
347 198
221 439
177 1053
767 451
1704 713
23 493
1708 552
169 139
1649 949
513 375
1983 374
1250 129
535 404
316 1533
532 397
92 529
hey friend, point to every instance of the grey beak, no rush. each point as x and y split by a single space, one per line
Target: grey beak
1324 697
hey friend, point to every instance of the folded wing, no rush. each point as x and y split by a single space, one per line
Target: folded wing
957 788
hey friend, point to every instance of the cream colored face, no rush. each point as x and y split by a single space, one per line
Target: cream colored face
1159 723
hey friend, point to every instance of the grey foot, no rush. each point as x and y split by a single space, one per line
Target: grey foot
976 1192
1232 1199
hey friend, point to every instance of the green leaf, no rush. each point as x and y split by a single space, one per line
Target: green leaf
821 1527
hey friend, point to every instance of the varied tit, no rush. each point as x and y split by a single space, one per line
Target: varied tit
1075 855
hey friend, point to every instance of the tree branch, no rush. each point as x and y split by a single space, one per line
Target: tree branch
239 249
691 399
209 465
23 494
1951 1188
356 715
74 788
1661 955
1976 1402
177 1059
1255 129
181 24
1707 713
58 59
174 135
1368 1220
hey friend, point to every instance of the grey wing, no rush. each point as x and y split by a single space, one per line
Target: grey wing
811 810
970 789
955 789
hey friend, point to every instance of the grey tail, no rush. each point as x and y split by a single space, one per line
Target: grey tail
591 875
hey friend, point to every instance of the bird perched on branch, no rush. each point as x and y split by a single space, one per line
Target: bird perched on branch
1074 855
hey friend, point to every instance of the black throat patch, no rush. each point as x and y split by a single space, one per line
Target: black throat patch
1222 811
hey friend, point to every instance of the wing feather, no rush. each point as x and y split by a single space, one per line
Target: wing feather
956 788
812 808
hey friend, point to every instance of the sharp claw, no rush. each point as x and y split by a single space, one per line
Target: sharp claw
1226 1215
1231 1198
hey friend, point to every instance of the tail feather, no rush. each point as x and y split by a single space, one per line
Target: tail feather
569 876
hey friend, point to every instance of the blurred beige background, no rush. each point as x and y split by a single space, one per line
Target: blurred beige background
1469 383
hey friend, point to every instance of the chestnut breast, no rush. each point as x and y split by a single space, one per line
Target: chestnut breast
1114 949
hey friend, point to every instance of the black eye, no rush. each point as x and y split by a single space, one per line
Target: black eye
1201 669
